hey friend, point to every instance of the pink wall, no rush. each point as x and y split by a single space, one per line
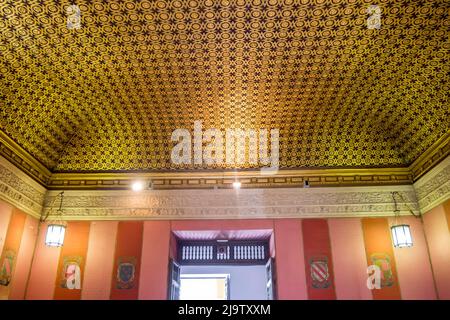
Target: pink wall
346 239
413 267
438 236
41 285
18 231
155 260
290 261
99 260
349 259
5 215
24 258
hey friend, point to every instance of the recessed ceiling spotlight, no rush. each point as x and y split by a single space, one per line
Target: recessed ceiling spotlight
137 186
236 185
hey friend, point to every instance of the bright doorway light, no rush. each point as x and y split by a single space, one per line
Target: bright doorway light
204 286
236 185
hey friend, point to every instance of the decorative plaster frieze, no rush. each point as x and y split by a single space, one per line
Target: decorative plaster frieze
20 190
434 187
232 204
16 155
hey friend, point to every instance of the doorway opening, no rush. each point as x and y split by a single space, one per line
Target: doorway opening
222 269
204 286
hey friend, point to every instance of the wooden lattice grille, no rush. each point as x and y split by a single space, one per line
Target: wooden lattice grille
231 252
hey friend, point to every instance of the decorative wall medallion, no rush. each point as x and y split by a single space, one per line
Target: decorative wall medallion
7 267
383 261
71 273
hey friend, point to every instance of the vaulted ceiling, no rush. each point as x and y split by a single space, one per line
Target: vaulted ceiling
107 96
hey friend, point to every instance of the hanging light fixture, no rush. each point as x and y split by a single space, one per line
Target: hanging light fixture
56 229
401 233
55 235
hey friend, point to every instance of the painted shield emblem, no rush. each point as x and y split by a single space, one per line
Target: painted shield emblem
319 272
383 261
6 268
126 273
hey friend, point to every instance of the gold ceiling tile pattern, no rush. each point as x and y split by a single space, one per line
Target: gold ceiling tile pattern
108 95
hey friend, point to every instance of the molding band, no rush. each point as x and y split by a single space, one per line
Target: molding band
20 190
434 187
231 204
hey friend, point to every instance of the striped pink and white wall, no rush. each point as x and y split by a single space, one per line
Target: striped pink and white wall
343 241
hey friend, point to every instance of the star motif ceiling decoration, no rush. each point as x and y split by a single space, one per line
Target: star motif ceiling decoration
107 96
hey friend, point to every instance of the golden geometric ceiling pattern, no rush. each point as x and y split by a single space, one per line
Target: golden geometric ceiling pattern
108 95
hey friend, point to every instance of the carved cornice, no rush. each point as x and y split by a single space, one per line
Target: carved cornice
23 192
20 190
23 160
334 201
231 204
224 180
434 187
430 158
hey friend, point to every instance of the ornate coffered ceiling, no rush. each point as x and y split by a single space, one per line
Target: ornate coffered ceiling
107 96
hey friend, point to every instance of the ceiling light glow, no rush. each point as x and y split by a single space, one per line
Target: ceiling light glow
137 186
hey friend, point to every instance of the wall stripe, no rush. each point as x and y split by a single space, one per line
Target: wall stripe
438 237
155 260
417 281
41 285
173 250
318 260
24 258
99 260
379 251
447 213
349 259
128 251
8 259
5 215
73 252
289 260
